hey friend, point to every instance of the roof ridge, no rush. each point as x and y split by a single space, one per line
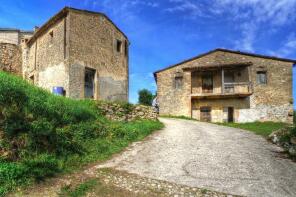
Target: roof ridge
229 51
61 14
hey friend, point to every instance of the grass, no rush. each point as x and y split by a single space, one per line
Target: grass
42 135
259 128
81 189
178 117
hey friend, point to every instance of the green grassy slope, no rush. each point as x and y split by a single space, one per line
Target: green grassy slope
42 134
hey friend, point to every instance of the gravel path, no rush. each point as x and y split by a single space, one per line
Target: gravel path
210 156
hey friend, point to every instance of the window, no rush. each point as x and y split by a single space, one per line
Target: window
178 82
118 46
32 80
261 77
51 36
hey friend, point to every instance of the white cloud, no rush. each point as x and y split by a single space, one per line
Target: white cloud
276 12
248 31
269 13
247 15
191 8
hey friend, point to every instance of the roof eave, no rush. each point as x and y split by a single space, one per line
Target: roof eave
229 51
61 15
50 22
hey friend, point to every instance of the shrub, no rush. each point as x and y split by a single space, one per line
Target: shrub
42 135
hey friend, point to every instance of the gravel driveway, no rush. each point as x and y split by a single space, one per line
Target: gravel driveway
209 156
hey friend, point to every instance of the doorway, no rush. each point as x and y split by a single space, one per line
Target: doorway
229 80
207 83
230 114
89 83
205 114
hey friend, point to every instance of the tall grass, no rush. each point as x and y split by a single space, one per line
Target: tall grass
43 134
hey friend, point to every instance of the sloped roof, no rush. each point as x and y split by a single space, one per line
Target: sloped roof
14 30
61 14
8 29
229 51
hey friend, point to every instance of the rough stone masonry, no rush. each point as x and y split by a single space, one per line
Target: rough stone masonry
228 86
81 52
11 58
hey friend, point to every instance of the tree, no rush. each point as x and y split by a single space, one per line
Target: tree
145 97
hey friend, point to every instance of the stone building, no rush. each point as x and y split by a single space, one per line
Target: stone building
14 36
228 86
10 49
81 51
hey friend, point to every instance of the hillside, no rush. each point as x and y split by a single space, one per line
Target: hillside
42 135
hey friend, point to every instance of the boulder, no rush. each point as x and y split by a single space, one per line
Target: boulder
292 150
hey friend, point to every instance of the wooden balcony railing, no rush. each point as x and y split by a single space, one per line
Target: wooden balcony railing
229 90
237 88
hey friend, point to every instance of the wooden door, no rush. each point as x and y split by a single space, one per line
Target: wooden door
205 114
229 81
230 114
207 83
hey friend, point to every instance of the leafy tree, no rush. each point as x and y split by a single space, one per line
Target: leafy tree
145 97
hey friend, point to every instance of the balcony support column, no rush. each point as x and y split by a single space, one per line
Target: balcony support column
222 80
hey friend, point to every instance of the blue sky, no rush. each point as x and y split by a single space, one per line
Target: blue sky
164 32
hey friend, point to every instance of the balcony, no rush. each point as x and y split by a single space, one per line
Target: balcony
228 90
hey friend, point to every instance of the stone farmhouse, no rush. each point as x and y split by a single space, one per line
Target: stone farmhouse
80 52
227 86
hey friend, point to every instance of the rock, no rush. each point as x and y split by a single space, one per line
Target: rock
292 150
117 112
276 135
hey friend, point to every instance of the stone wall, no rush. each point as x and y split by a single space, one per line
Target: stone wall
11 37
217 106
92 44
272 101
127 112
45 61
14 36
76 41
11 58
